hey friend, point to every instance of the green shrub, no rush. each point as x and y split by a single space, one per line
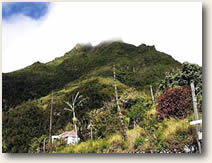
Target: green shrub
104 144
124 145
91 147
138 111
160 142
105 122
71 150
150 124
139 141
82 150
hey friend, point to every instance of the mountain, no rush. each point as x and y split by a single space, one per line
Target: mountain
136 67
87 69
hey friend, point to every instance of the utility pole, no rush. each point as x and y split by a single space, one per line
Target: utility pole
194 98
50 124
118 107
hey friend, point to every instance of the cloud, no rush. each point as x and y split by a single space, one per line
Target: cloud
174 28
35 10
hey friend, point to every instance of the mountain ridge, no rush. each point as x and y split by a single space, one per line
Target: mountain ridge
79 62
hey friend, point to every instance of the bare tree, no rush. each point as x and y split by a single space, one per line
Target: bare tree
124 133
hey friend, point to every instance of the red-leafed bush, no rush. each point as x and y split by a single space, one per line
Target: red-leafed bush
175 102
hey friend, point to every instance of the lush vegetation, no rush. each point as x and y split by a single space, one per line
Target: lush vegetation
136 67
171 135
88 70
183 77
175 102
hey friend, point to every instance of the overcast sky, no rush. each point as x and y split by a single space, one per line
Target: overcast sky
42 31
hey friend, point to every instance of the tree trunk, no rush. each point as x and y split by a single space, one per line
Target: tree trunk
75 126
118 107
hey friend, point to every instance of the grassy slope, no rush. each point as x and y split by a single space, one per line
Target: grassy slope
172 135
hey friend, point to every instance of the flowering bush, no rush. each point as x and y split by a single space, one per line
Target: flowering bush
175 102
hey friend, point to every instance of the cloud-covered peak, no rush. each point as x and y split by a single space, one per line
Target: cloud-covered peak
27 36
34 10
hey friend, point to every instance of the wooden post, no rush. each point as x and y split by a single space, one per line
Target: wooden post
153 99
118 107
50 124
194 98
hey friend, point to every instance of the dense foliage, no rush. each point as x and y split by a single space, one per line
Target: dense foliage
175 102
184 76
39 145
138 111
105 122
22 124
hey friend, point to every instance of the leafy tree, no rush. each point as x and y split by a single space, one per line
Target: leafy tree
183 77
138 111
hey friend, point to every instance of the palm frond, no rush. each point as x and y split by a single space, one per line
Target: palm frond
75 98
69 105
81 101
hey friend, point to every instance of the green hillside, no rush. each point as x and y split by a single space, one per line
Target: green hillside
88 70
136 67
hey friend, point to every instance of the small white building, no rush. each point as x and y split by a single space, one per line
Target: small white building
69 136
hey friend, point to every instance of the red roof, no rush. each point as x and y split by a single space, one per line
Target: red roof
68 133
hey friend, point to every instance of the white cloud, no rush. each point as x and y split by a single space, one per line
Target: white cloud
174 28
